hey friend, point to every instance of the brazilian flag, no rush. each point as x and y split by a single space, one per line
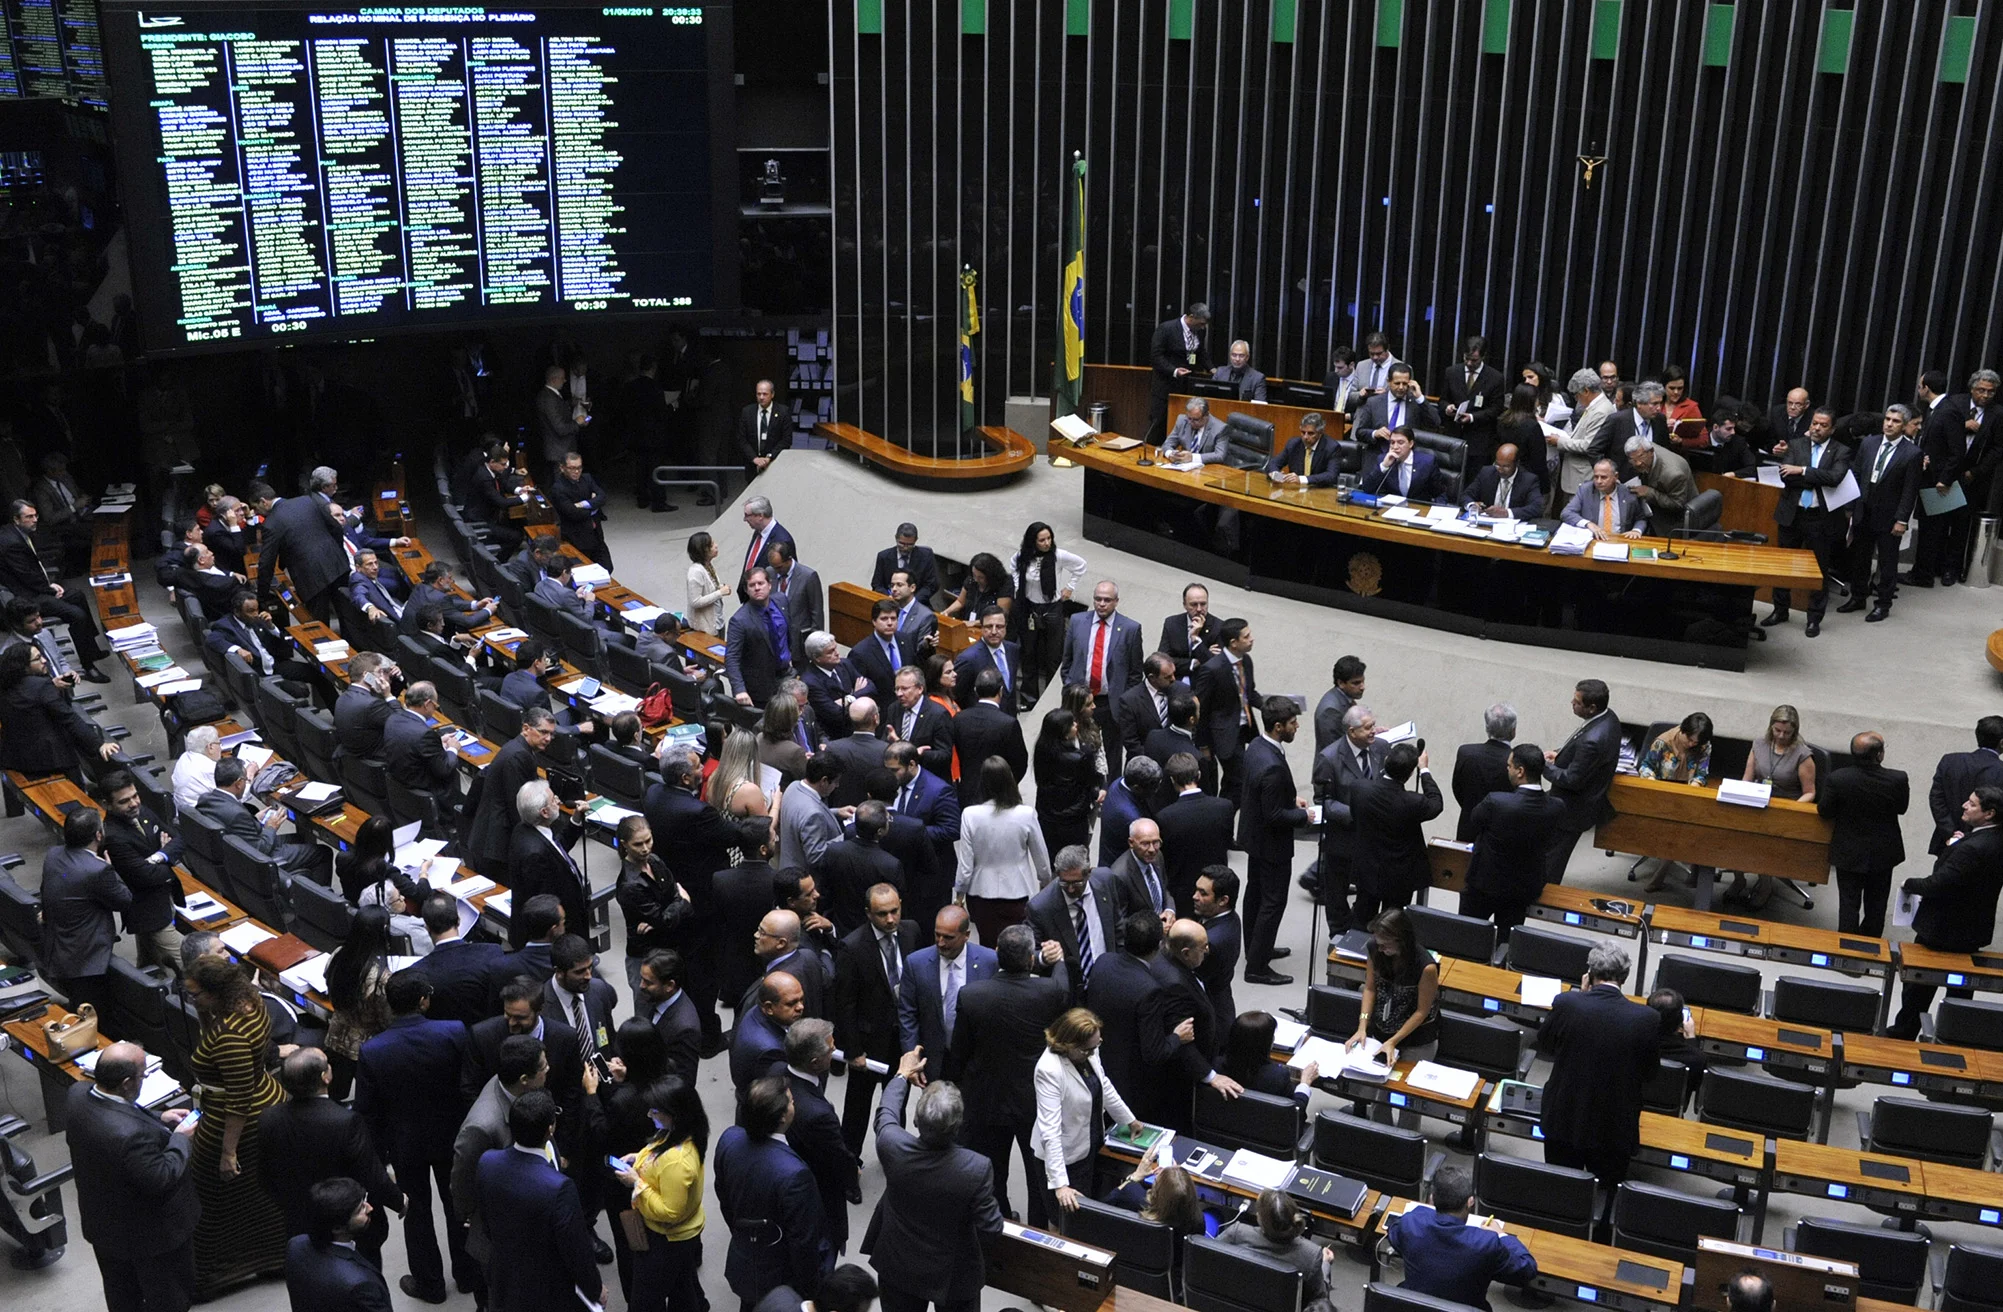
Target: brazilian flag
1068 377
970 324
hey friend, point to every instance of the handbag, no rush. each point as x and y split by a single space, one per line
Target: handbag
73 1035
198 706
658 706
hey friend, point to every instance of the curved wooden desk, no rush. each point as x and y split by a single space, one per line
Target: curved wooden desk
1995 651
1009 452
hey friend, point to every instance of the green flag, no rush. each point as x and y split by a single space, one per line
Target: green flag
1068 378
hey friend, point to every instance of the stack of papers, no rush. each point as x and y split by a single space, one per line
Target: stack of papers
1442 514
241 937
1571 540
639 617
1740 793
174 686
1507 530
157 1088
1538 990
316 792
1605 550
501 902
471 886
118 509
413 854
1288 1035
583 575
1443 1080
158 677
1399 733
134 636
201 907
614 703
1365 1062
1402 514
608 813
309 976
1258 1171
333 649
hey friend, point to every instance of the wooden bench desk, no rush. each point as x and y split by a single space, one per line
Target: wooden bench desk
1786 839
1934 1067
1980 971
1398 1093
1847 1175
1321 1220
232 913
1583 1271
57 1074
849 606
1962 1193
1713 1151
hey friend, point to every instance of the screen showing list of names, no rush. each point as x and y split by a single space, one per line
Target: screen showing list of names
352 170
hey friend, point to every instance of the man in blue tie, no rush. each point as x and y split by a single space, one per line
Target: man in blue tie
884 652
994 651
1813 468
1137 876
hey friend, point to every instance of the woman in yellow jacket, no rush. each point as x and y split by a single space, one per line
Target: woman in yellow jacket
666 1178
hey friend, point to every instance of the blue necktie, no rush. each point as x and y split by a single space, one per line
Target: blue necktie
1814 457
952 1005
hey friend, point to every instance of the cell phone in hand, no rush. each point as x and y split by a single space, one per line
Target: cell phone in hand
617 1163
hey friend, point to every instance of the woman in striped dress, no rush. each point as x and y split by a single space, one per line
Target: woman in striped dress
241 1234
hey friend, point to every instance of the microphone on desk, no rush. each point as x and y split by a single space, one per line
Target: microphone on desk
1144 461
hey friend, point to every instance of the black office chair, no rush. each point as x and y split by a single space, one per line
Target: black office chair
1668 1089
584 645
1826 1004
136 1004
542 619
628 670
1967 1023
1972 1280
274 708
240 680
1534 950
1556 1198
1258 1121
1930 1131
1491 1046
1704 511
1891 1264
1450 462
500 719
1758 1104
1383 1296
202 850
1668 1223
458 692
314 730
20 922
1333 1012
1144 1251
1248 442
1388 1159
685 692
1706 982
624 781
1219 1277
437 816
256 885
363 780
41 1228
324 916
1451 935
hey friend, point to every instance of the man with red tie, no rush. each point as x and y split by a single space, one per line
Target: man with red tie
764 532
1102 650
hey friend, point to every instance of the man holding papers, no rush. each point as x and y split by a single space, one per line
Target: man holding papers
1887 469
1815 484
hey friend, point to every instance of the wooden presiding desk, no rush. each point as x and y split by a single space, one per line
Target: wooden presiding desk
1240 527
849 619
1681 822
1557 904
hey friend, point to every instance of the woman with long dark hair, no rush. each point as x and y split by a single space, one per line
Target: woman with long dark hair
666 1177
1401 991
987 584
705 591
1067 782
1045 577
357 980
369 863
1003 861
1248 1058
643 1059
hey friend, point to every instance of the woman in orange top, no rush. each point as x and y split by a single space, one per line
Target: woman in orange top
1678 408
940 681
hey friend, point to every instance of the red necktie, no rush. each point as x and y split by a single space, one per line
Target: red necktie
1098 658
751 561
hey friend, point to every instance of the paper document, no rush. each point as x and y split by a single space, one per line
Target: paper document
1938 503
1904 907
158 677
501 903
1740 793
317 792
409 854
1194 465
1258 1170
1288 1034
240 938
330 651
309 976
1610 551
1402 515
1391 499
640 617
157 1088
1571 540
614 703
1075 427
1442 513
1537 990
255 758
1399 733
1443 1080
119 509
504 634
583 575
1844 493
470 886
87 1062
1770 475
174 686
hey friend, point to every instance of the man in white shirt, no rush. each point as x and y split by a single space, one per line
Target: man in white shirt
195 770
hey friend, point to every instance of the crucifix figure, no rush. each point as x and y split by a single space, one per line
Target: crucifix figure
1591 162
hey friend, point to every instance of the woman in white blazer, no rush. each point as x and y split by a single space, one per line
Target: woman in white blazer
1003 861
1066 1140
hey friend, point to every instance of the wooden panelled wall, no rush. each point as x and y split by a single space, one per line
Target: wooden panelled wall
1794 191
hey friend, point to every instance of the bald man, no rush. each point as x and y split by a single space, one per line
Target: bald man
928 997
778 943
1505 489
135 1190
1251 384
1187 1014
1138 881
758 1045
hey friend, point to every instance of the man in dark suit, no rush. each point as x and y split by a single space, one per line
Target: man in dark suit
1483 768
765 530
851 758
1354 757
303 538
135 1192
1178 350
491 493
768 1197
539 859
584 1000
1400 405
758 1044
535 1220
741 895
365 705
1472 396
1888 479
700 837
879 656
1215 903
311 1139
26 574
1195 831
224 805
1227 690
1957 911
938 1206
521 1014
461 973
1123 992
1510 829
1447 1258
1403 469
1251 384
855 865
757 649
815 1133
374 592
1268 815
1863 802
326 1269
1186 1014
1389 819
491 805
927 870
1102 650
1944 448
993 1059
917 625
833 682
1785 422
764 429
1143 708
913 559
1076 919
935 804
1603 1052
1190 638
928 997
414 749
1960 773
1139 881
1179 738
1581 772
1346 685
1310 456
863 1003
407 1092
1813 467
1642 418
1129 798
1196 432
984 730
921 722
557 429
81 894
664 1004
1508 488
144 852
797 589
994 652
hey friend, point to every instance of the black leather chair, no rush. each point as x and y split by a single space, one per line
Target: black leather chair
458 692
583 645
1258 1121
628 670
1332 1012
256 885
624 781
1968 1023
1144 1251
1826 1004
1557 1198
1383 1296
1534 950
1248 442
1449 463
1488 1045
202 851
324 916
1219 1277
274 708
314 730
1668 1222
500 719
137 1002
1452 935
1930 1131
363 781
1972 1280
1758 1104
20 921
1668 1089
542 619
1891 1264
1706 982
420 806
1704 511
1389 1159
